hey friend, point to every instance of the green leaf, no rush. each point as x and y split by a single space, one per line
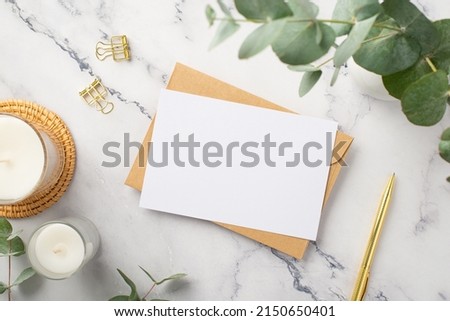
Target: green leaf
353 10
225 30
444 145
14 234
24 275
224 8
303 9
414 22
303 68
397 83
4 246
120 298
148 274
441 56
391 52
133 295
354 40
309 79
263 9
298 44
5 227
17 246
318 33
424 101
13 247
172 277
448 179
210 14
262 37
3 287
158 300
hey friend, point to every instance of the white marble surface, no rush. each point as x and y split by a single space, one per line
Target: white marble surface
47 56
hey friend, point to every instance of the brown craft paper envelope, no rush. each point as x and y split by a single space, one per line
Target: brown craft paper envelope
188 80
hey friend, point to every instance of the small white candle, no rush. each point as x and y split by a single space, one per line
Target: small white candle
22 159
59 249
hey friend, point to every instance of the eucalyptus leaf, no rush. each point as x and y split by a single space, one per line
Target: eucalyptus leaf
172 277
424 101
120 298
354 40
414 22
5 227
444 145
210 14
298 44
397 83
441 56
3 287
309 79
335 75
226 29
148 274
17 246
24 275
13 235
13 247
303 9
390 53
263 9
353 10
4 246
303 68
262 37
319 35
224 8
133 295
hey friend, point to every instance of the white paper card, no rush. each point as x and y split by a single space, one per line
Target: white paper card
243 165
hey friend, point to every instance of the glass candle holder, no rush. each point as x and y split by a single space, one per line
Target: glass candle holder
28 159
60 248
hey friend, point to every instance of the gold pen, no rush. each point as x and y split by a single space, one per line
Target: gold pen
363 275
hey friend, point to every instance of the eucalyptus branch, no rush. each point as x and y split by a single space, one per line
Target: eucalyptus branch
374 45
134 296
346 22
9 271
12 245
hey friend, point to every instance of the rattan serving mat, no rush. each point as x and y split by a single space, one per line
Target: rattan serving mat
57 131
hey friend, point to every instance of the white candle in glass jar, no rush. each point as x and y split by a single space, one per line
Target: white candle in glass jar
59 250
22 159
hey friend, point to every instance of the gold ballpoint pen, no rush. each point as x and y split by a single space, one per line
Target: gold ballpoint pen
364 272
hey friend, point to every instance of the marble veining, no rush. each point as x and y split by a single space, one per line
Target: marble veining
49 55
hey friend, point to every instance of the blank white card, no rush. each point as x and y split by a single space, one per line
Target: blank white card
238 164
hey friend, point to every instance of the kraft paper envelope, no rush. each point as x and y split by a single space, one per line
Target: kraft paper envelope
188 80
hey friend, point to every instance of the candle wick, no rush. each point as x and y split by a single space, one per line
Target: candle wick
59 249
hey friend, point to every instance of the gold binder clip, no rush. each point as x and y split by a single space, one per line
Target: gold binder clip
95 94
118 48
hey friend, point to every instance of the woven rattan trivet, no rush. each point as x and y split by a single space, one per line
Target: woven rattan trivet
58 132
